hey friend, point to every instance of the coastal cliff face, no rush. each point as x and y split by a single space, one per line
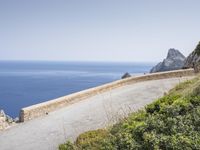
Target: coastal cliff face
193 59
175 60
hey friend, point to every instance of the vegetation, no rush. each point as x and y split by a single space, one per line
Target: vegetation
170 123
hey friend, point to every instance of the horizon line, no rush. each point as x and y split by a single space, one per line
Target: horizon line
98 61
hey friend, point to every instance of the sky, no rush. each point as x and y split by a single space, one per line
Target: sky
97 30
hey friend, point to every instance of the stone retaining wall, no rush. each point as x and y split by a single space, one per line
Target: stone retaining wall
45 108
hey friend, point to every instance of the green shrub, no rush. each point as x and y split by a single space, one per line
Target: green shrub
67 146
95 140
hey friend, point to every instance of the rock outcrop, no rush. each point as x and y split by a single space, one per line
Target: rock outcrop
5 121
175 60
126 75
193 60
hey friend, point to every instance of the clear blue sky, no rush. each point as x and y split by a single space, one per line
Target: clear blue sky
97 30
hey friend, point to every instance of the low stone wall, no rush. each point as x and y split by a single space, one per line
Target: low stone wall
42 109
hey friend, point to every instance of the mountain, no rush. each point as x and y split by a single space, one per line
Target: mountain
175 60
193 59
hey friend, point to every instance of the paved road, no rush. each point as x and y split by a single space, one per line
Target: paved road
46 133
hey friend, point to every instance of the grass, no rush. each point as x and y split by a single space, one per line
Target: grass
171 122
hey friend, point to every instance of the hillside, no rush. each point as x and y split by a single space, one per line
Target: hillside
171 122
193 59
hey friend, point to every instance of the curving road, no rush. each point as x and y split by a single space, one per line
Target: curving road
46 133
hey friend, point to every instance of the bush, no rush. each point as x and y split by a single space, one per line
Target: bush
97 140
67 146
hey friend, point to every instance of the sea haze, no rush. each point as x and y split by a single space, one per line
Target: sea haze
24 83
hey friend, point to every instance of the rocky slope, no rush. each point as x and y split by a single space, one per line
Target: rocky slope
5 121
194 58
175 60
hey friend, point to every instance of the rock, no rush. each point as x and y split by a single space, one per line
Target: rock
9 119
16 120
193 60
5 121
2 114
126 75
174 61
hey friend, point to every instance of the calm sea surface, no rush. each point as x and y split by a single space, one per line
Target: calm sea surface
26 83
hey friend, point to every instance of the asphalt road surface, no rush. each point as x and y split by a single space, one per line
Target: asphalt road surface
100 111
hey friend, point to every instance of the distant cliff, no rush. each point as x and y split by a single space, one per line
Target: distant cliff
193 59
175 60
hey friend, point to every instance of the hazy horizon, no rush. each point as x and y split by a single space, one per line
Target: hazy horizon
100 31
84 61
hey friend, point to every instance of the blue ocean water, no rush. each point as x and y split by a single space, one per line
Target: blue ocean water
24 83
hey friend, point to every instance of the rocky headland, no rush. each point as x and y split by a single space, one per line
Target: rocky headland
175 60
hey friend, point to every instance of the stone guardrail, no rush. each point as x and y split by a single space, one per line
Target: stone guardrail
45 108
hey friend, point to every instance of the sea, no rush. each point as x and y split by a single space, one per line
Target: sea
25 83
